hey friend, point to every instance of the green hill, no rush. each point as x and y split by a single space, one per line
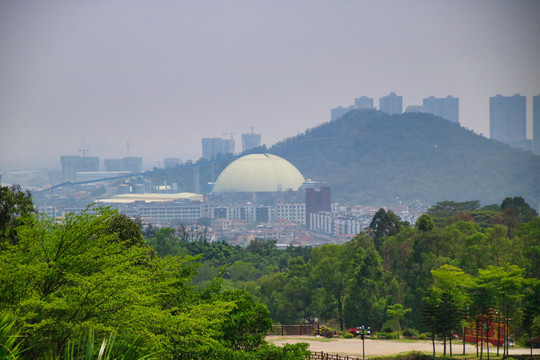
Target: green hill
372 158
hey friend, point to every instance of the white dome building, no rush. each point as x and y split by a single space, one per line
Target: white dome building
259 173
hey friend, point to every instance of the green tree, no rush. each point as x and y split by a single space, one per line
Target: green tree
330 275
261 247
475 254
127 230
529 235
508 282
366 298
452 208
383 224
64 279
430 313
242 271
246 325
501 248
15 205
520 208
483 292
166 243
424 223
397 312
450 296
530 316
289 294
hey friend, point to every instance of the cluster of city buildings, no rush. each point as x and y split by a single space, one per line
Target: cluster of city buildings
77 168
507 115
211 147
256 196
251 198
447 108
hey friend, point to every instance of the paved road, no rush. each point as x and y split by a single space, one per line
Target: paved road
353 347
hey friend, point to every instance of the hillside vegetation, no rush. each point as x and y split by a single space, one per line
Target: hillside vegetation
369 157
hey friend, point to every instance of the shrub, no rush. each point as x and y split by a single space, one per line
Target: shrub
387 329
410 332
324 331
423 336
348 335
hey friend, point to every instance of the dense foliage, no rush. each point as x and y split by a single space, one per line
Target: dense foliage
172 297
437 269
94 274
369 157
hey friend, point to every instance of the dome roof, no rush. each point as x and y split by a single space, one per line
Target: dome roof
259 173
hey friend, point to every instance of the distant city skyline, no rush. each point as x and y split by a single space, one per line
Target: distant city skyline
163 75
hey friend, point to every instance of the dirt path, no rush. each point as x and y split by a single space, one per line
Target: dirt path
353 347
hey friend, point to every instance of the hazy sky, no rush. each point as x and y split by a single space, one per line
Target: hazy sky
162 74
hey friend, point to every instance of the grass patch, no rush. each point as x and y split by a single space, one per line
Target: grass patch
311 338
406 340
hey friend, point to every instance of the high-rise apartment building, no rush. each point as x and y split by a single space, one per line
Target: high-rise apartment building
339 111
317 200
536 124
71 164
213 146
391 104
507 120
250 141
228 146
363 102
447 108
131 163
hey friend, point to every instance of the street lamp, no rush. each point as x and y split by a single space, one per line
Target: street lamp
362 330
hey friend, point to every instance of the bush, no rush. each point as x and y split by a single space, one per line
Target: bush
423 336
413 355
386 335
348 335
410 332
387 329
324 331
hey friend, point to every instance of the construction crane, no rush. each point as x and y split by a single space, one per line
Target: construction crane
230 133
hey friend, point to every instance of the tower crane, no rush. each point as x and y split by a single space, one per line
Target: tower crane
230 133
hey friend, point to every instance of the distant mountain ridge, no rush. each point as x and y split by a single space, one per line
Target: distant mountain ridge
372 158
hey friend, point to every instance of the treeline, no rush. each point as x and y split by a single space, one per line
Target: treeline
392 263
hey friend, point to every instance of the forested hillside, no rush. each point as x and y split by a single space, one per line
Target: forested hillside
369 157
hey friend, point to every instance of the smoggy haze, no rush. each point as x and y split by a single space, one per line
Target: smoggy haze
164 74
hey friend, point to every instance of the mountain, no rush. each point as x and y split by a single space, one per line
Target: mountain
369 157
